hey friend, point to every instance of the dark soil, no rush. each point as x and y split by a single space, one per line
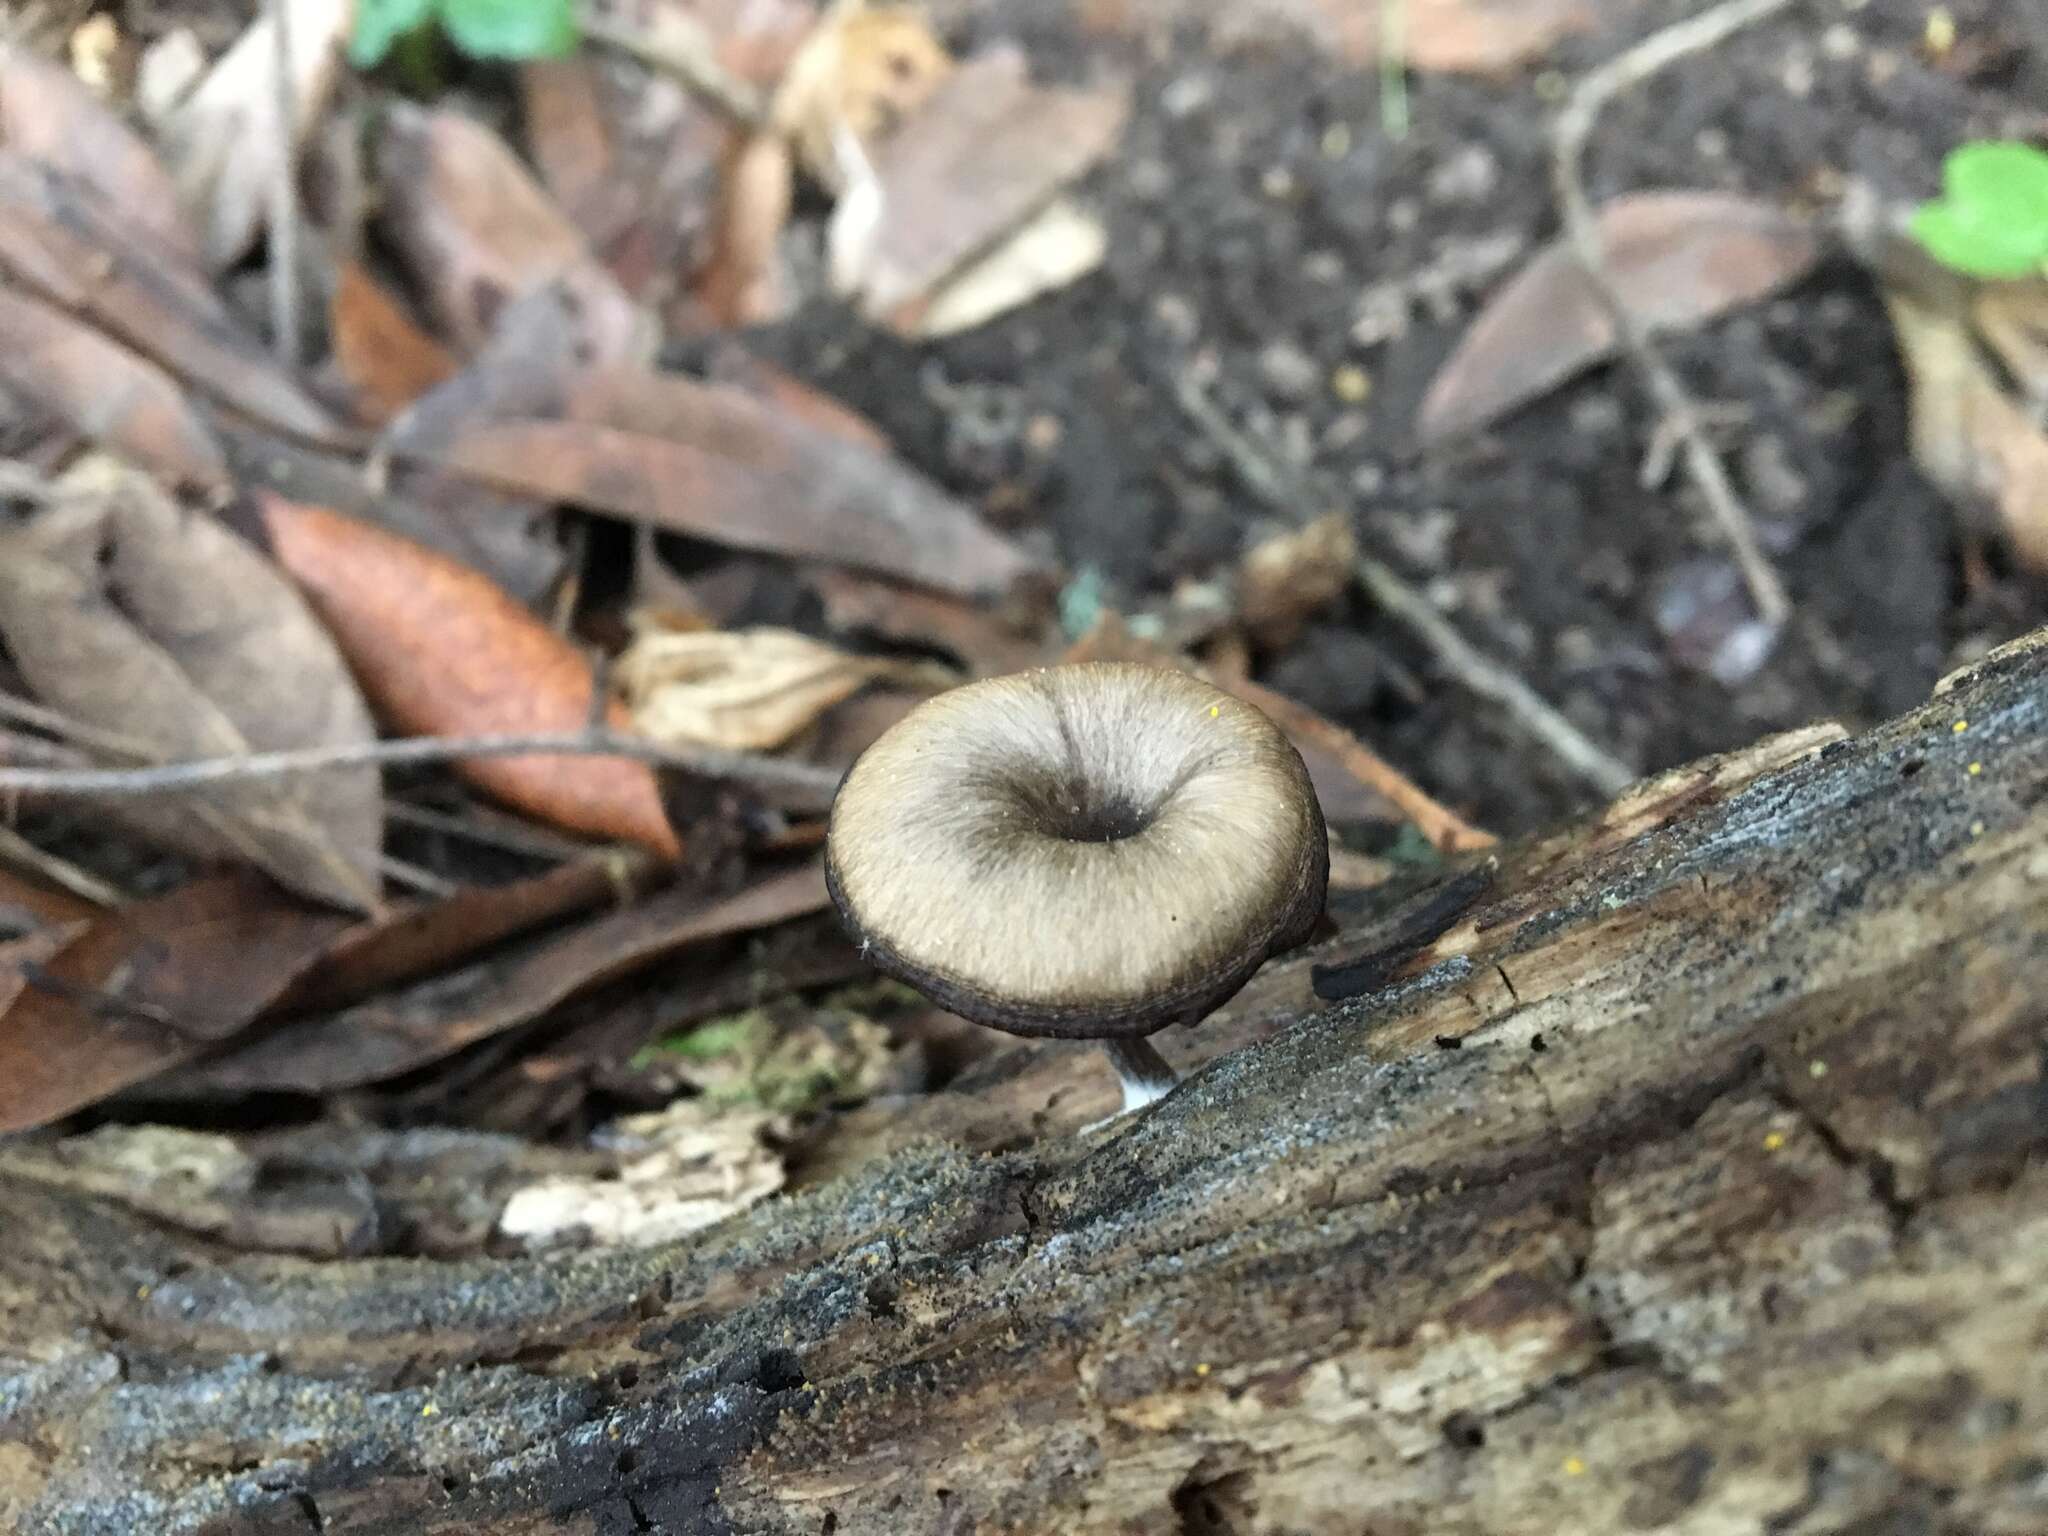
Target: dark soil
1266 232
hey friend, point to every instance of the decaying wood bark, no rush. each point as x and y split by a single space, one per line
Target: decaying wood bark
1693 1181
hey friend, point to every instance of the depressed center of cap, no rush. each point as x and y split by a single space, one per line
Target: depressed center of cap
1088 851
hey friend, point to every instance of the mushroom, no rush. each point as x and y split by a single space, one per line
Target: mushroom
1086 852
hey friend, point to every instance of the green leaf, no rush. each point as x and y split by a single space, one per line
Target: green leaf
1992 217
379 24
511 29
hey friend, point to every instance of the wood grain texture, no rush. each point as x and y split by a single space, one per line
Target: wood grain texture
1692 1182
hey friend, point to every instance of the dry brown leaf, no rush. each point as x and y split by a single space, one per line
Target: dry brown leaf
1289 578
567 136
983 642
59 244
861 71
440 650
164 628
478 233
987 151
2013 320
225 140
747 690
1970 438
1060 245
1676 259
47 115
683 1168
104 392
148 987
728 364
712 462
403 1031
386 359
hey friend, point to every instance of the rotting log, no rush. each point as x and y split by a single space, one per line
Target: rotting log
1693 1181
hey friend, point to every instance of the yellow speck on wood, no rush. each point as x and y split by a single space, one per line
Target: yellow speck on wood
428 1411
1975 769
1774 1141
1202 1369
1816 1069
1573 1467
1351 384
1960 726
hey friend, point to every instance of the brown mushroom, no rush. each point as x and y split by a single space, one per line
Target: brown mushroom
1087 852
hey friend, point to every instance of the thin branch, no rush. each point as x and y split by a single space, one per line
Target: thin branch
23 854
803 779
1485 677
688 60
284 195
1288 492
1568 149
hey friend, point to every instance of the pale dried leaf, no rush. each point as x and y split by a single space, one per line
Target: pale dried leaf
164 628
225 140
987 151
1967 435
747 690
686 1167
1675 259
2013 320
1060 246
1288 578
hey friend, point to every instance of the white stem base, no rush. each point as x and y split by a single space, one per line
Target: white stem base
1143 1071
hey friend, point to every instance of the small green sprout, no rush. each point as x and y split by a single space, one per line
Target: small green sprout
1992 217
483 29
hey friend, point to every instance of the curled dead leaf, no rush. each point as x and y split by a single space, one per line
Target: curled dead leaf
441 650
1675 259
1970 438
162 627
746 690
1292 576
985 153
226 139
860 71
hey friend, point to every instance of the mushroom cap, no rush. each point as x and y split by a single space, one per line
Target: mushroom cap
1087 851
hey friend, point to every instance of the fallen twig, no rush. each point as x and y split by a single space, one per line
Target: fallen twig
1487 678
1285 490
284 197
23 854
746 767
1568 146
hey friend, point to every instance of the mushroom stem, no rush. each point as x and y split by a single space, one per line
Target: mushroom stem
1143 1072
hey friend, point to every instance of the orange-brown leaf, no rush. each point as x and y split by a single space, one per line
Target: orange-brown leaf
441 650
1676 260
387 360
